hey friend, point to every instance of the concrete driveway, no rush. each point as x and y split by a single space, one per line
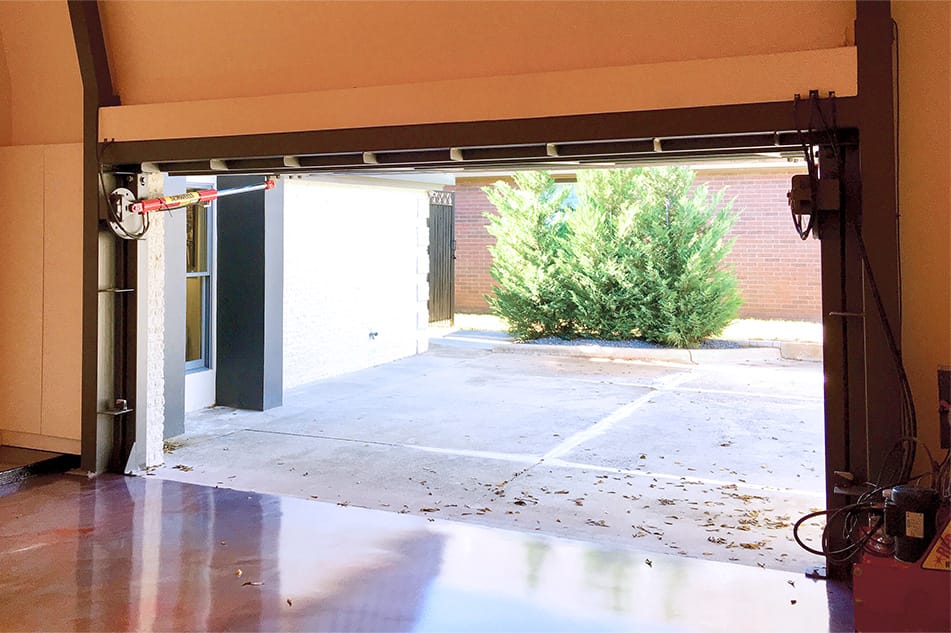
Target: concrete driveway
713 460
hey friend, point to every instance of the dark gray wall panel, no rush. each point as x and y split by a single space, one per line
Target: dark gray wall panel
174 313
250 328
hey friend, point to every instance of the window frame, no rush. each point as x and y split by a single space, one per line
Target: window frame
204 361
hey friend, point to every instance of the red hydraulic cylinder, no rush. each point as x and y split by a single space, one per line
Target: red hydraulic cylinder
168 203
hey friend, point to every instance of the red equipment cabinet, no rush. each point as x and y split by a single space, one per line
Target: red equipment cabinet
894 596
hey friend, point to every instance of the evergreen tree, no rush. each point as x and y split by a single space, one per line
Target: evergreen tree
602 275
639 256
527 259
687 294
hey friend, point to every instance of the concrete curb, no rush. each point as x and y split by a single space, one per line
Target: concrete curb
754 350
681 356
802 351
597 351
790 350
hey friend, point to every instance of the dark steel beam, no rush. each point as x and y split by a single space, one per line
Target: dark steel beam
97 92
874 37
843 336
91 51
678 122
628 152
538 162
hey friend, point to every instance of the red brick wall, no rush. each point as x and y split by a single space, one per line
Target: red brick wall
473 280
778 273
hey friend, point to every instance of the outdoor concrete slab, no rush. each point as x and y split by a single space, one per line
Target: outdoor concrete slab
370 475
475 406
790 378
651 511
769 442
723 522
548 444
511 425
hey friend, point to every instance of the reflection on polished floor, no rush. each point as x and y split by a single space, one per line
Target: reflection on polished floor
122 553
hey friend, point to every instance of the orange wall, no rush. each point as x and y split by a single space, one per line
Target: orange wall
41 240
212 50
269 67
5 96
40 286
682 84
44 84
925 91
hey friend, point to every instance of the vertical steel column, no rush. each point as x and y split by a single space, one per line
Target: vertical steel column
125 352
843 333
874 37
97 92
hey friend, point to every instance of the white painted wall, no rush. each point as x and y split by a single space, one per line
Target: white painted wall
355 263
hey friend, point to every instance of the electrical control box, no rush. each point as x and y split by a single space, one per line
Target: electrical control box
801 194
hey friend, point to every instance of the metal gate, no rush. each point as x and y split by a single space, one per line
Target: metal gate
442 255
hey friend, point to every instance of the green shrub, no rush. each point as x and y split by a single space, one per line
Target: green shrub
601 271
527 259
637 257
686 293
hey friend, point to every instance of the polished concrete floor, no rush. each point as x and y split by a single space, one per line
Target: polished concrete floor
123 553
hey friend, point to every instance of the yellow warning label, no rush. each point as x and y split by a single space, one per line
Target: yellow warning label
940 555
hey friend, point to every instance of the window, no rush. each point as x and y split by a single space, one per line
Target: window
197 287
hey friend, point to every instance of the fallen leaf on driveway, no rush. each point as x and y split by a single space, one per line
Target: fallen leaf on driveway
579 501
182 467
599 523
252 583
429 509
561 492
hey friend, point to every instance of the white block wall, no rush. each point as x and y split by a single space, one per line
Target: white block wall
355 264
151 453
